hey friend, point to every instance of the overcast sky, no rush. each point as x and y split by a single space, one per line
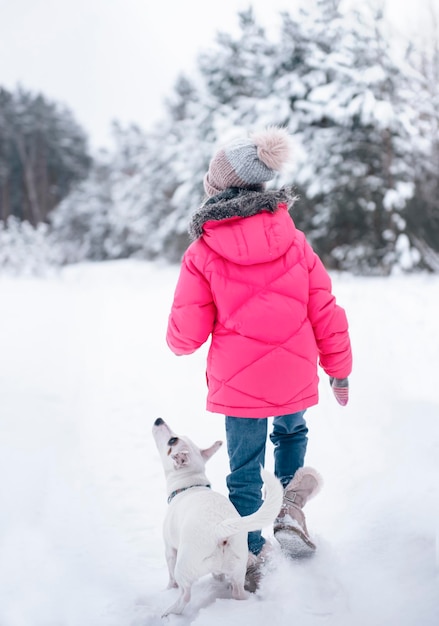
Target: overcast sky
118 59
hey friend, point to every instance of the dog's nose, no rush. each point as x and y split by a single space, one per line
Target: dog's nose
159 422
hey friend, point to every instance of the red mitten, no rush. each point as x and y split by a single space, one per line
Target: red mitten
340 388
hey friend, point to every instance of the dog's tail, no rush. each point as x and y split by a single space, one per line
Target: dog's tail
263 517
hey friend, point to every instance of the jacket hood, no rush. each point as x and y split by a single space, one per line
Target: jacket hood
223 223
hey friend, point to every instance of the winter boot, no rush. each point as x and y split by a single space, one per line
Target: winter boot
290 526
256 566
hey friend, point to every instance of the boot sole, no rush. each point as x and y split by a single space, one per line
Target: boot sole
294 543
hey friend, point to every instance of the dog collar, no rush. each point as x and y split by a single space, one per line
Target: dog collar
177 491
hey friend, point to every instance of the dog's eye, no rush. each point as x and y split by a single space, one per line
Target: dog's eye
172 441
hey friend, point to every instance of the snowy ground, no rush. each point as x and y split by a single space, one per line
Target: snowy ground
84 372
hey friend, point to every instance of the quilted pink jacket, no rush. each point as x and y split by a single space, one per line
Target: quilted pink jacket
252 283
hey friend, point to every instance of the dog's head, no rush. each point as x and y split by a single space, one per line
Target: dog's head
180 453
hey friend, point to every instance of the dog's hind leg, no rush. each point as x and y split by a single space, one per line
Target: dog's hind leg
237 578
237 575
187 571
238 591
182 601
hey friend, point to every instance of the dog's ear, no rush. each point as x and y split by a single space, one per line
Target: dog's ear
181 459
208 452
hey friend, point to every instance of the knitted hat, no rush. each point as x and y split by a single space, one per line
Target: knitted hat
248 163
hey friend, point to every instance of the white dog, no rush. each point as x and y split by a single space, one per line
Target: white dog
203 532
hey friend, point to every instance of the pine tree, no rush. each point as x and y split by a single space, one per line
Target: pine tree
349 117
422 213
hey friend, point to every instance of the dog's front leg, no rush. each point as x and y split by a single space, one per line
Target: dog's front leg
171 558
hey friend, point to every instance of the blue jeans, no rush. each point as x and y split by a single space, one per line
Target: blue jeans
246 439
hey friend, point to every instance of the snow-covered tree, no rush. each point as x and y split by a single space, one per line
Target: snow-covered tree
422 213
354 130
26 249
43 153
99 219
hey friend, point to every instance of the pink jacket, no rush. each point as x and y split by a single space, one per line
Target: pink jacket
257 288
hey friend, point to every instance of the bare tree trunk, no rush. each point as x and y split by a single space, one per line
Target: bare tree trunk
29 179
43 182
5 209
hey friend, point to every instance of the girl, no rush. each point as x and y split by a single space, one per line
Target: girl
252 282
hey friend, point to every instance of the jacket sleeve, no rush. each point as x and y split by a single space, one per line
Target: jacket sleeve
193 311
328 320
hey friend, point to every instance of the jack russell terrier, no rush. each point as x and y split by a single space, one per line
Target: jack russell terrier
203 532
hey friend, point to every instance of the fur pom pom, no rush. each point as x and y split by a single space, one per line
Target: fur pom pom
274 147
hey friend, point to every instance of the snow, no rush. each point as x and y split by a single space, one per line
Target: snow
84 373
